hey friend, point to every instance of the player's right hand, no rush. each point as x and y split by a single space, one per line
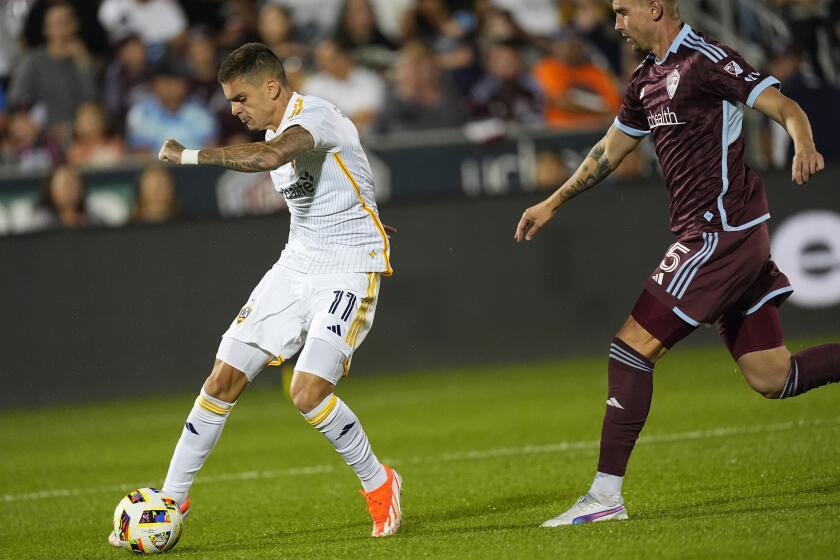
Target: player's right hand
533 220
171 151
806 163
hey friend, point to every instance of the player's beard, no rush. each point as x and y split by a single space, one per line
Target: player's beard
636 47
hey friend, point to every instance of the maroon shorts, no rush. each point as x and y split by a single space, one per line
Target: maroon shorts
712 275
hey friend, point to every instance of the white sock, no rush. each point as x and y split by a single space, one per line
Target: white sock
606 488
201 432
335 420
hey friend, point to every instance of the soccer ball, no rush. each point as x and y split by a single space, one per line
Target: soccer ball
148 521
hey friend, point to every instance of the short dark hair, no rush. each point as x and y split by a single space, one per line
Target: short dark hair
251 58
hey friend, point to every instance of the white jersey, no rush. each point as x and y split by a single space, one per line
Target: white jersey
335 223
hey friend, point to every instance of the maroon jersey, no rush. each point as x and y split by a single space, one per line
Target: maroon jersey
692 104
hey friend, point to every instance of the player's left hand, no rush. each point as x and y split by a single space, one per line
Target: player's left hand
806 164
171 151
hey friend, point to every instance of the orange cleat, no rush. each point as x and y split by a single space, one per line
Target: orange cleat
383 504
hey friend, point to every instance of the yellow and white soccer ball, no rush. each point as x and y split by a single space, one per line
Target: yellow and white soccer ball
148 521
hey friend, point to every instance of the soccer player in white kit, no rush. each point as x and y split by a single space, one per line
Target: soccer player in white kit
321 295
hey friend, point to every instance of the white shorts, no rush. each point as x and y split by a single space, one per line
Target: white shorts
288 309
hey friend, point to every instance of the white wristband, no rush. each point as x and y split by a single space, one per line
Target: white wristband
189 157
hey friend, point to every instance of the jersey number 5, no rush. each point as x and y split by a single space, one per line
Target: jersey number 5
672 257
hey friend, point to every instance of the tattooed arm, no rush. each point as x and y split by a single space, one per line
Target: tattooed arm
250 158
604 157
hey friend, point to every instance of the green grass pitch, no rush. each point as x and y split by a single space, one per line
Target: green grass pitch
486 455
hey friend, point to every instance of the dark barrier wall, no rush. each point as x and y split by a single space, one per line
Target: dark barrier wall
140 310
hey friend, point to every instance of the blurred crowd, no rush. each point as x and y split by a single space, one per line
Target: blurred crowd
90 83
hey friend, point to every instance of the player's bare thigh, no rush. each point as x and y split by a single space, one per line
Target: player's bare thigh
636 337
766 370
225 382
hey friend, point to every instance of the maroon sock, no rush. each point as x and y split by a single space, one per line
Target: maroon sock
628 403
812 368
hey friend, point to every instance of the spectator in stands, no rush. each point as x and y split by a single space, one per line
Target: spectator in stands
92 145
809 20
11 21
578 93
62 202
358 92
27 146
169 113
359 33
156 202
126 79
159 23
34 13
201 64
314 19
537 17
202 68
592 20
240 25
815 98
419 98
277 31
506 91
59 75
450 35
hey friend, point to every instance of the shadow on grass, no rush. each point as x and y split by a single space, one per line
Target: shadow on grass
415 526
727 505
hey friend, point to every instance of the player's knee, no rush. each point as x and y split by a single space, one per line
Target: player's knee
766 370
766 389
767 380
225 382
308 391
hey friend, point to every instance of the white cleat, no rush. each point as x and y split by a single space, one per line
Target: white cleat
588 510
115 541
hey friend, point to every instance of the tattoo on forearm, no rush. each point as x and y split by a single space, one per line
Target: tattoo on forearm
592 172
260 156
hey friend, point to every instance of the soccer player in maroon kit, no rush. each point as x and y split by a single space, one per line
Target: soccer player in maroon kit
688 95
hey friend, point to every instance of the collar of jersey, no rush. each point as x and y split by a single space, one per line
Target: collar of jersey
289 108
686 29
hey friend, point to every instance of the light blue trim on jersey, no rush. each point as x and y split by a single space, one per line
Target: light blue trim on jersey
727 129
685 317
766 298
703 49
678 40
735 122
757 90
714 49
630 131
676 280
715 240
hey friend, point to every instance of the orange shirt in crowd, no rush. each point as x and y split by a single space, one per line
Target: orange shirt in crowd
586 85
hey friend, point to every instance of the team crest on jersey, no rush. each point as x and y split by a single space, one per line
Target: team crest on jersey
672 82
243 314
734 68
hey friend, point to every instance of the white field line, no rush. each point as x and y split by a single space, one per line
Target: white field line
559 447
